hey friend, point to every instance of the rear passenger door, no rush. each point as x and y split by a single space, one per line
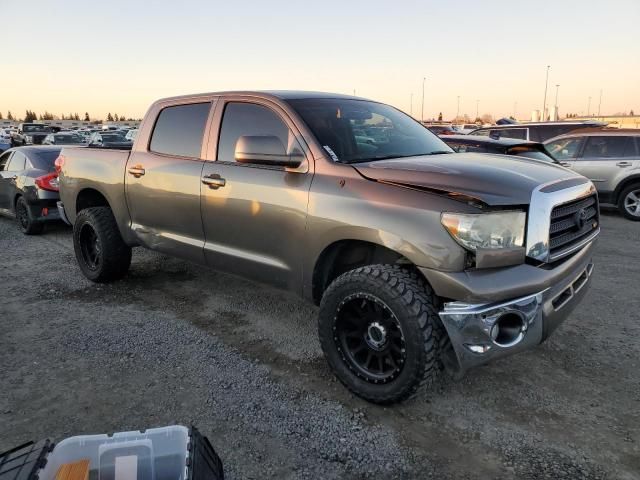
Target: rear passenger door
163 180
605 160
254 216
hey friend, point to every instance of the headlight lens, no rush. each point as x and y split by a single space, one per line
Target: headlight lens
28 138
486 230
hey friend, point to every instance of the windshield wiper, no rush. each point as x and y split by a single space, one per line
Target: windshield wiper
438 152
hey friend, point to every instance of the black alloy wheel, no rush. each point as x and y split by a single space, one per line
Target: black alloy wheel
369 336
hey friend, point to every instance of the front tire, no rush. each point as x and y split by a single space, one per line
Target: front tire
379 330
100 251
26 223
629 203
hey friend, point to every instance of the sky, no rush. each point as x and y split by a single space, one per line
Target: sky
120 55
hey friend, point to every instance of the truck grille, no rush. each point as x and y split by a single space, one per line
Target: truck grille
571 224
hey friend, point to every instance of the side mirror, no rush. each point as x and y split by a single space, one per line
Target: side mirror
265 150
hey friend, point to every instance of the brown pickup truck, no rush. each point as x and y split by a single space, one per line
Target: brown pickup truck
417 256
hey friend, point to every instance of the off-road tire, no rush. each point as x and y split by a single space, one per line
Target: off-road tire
621 202
26 223
113 257
414 305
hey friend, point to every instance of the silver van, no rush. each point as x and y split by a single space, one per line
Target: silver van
610 159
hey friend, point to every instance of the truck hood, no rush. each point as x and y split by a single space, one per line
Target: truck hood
491 179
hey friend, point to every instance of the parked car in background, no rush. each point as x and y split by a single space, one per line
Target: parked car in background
131 134
610 159
110 139
29 186
503 146
64 138
403 244
536 131
30 134
466 128
5 139
442 129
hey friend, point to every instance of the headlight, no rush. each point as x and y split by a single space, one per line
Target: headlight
486 230
28 138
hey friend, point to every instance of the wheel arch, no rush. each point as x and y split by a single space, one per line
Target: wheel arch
90 197
632 179
347 254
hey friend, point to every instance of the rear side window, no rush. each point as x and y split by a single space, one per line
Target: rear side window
606 147
519 133
179 130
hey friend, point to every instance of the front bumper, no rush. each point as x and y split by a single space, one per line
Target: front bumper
481 332
61 212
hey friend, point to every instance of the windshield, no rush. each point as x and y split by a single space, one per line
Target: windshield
113 137
35 128
359 131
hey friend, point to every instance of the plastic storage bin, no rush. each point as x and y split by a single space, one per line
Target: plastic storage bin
167 453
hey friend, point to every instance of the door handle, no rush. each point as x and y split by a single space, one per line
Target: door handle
214 181
623 164
137 171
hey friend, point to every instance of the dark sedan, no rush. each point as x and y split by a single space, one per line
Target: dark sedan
504 146
64 138
110 139
29 186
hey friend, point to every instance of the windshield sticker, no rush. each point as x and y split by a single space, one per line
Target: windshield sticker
331 153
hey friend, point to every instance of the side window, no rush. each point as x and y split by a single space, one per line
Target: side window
17 163
604 147
483 133
631 147
564 148
179 130
250 119
4 158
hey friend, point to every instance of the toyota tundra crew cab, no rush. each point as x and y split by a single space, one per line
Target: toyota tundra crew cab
418 257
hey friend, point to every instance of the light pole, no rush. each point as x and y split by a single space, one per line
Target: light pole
422 114
555 104
600 102
457 110
589 107
546 84
477 109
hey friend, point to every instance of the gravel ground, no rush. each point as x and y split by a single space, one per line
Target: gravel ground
176 343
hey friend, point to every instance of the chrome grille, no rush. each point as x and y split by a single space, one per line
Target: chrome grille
571 224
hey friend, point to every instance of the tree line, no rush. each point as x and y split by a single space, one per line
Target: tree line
31 116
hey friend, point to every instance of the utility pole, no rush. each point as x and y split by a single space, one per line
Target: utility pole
589 107
544 103
457 110
600 102
422 115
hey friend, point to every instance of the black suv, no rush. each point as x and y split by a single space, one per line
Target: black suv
538 131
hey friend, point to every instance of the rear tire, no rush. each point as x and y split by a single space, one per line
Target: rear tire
26 223
100 251
629 202
379 330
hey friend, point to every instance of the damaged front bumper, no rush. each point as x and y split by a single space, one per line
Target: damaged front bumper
481 332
